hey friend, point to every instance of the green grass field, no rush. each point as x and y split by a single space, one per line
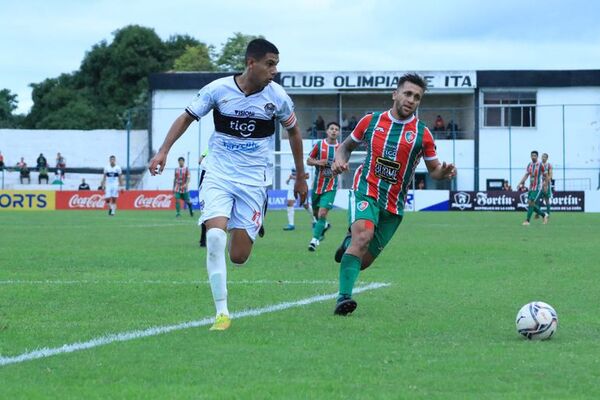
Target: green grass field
443 328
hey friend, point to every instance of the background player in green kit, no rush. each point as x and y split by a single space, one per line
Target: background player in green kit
325 183
396 140
180 187
537 179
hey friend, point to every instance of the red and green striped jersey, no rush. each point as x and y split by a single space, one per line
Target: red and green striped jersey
536 173
548 168
324 179
394 149
181 179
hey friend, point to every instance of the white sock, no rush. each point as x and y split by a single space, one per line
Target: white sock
216 240
310 211
290 211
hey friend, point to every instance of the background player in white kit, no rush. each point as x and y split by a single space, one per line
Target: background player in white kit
246 108
112 178
291 202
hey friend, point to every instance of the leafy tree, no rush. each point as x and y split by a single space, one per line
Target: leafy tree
8 104
233 52
195 58
176 45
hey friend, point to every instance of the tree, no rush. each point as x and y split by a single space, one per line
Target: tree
8 104
232 57
195 58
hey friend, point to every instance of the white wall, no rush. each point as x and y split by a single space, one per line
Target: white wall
88 149
582 140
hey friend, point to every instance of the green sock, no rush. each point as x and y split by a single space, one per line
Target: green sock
529 212
177 206
548 207
319 227
538 211
349 270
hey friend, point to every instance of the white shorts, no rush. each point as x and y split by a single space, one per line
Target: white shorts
242 204
111 191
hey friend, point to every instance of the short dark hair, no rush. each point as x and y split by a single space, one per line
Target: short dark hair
535 152
181 159
413 78
258 48
333 123
112 157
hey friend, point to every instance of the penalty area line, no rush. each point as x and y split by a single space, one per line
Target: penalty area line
159 330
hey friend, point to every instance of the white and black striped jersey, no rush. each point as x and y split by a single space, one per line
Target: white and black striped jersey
241 147
112 175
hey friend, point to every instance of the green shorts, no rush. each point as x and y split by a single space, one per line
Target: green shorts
547 194
534 195
185 196
323 200
386 223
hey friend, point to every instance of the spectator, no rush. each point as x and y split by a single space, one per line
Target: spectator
41 162
421 185
345 123
43 174
61 164
438 125
23 171
84 185
506 186
1 162
320 125
452 129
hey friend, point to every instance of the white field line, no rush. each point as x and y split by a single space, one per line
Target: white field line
161 282
159 330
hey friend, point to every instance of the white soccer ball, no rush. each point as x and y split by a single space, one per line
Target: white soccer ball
537 321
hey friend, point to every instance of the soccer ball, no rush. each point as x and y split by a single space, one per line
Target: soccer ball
537 321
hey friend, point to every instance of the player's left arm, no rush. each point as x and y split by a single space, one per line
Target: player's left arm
300 186
121 179
437 170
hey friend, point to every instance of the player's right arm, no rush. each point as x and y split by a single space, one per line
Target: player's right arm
179 126
312 160
103 179
342 154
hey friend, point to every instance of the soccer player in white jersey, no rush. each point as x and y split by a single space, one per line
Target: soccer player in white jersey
112 178
246 108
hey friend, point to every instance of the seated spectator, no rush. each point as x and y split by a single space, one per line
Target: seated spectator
23 171
41 162
506 186
320 125
452 129
421 185
61 164
438 125
43 174
84 185
345 123
1 162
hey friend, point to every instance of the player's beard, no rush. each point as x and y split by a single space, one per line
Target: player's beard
402 113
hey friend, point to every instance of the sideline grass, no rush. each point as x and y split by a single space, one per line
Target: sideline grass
443 329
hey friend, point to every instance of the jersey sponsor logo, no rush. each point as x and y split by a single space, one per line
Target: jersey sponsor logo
245 113
112 174
410 136
270 109
390 152
362 205
158 201
244 147
387 170
243 127
93 201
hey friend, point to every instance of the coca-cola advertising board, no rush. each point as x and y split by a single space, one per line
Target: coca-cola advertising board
128 200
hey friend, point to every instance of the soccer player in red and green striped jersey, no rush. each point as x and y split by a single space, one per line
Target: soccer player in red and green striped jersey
396 140
537 180
180 187
325 184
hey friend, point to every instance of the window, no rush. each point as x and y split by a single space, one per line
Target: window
509 109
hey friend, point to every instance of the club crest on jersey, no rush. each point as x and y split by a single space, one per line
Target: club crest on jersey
270 109
362 206
410 136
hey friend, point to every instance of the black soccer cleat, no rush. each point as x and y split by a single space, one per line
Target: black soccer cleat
261 231
345 306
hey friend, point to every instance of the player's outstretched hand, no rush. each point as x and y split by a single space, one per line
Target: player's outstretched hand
300 190
339 167
157 164
448 170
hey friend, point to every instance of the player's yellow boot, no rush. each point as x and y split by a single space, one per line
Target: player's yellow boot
222 322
